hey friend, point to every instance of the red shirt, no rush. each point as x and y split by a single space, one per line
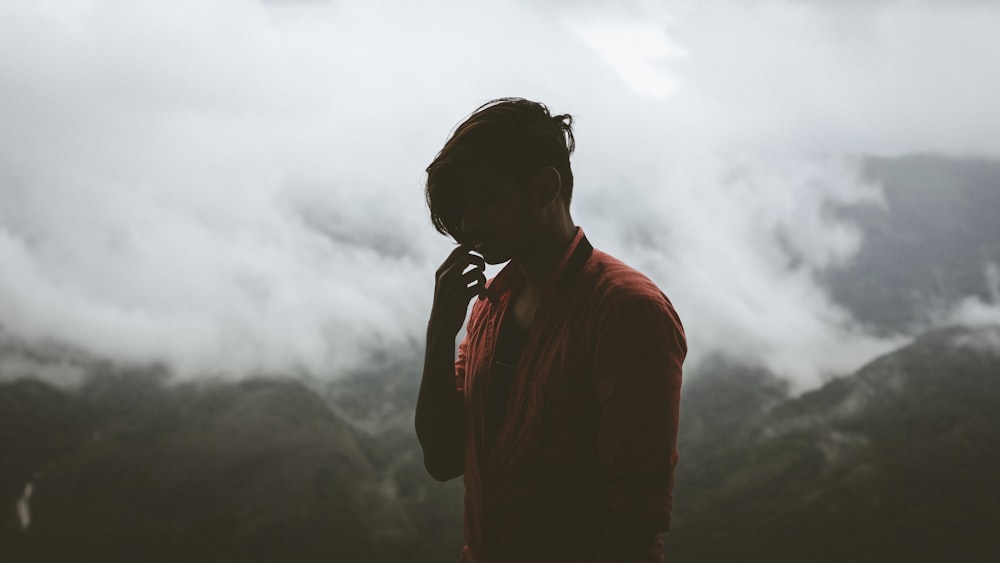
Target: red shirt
583 463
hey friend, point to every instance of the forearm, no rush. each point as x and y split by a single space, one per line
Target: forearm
439 416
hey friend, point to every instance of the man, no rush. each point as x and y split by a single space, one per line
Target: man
561 410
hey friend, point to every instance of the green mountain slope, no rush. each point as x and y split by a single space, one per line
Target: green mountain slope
898 462
255 471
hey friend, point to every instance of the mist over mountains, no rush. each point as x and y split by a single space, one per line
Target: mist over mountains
895 462
929 247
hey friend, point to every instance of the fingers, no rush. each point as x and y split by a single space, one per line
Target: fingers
460 259
462 274
461 277
476 261
456 255
475 281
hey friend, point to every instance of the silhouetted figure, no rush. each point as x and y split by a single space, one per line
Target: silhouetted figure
561 410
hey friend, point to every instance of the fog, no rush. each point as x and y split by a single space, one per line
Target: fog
236 187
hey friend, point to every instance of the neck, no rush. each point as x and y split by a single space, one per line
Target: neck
538 264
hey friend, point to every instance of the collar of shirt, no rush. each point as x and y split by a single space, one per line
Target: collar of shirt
510 277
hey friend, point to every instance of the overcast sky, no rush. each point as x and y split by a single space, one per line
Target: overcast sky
236 186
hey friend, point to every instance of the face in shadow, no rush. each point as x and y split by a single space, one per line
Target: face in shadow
498 218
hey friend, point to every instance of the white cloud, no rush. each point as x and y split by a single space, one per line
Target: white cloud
233 186
639 49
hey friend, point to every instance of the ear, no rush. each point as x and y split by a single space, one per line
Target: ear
546 186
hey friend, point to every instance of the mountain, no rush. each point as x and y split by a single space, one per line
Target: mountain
129 469
39 424
897 462
380 399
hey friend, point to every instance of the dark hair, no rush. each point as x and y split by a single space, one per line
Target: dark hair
509 138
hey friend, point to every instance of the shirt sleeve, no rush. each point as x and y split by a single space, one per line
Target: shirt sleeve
638 363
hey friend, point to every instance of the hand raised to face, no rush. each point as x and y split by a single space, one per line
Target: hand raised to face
459 278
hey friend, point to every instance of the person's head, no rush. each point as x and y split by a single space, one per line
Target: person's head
503 170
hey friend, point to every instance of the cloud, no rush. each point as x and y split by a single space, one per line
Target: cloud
974 310
235 187
638 48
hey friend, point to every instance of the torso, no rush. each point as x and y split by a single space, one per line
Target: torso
523 308
547 476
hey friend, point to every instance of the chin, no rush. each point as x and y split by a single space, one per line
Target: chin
491 256
493 259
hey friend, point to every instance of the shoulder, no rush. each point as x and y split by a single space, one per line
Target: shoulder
617 283
626 299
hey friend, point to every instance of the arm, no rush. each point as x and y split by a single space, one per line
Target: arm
639 358
439 418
